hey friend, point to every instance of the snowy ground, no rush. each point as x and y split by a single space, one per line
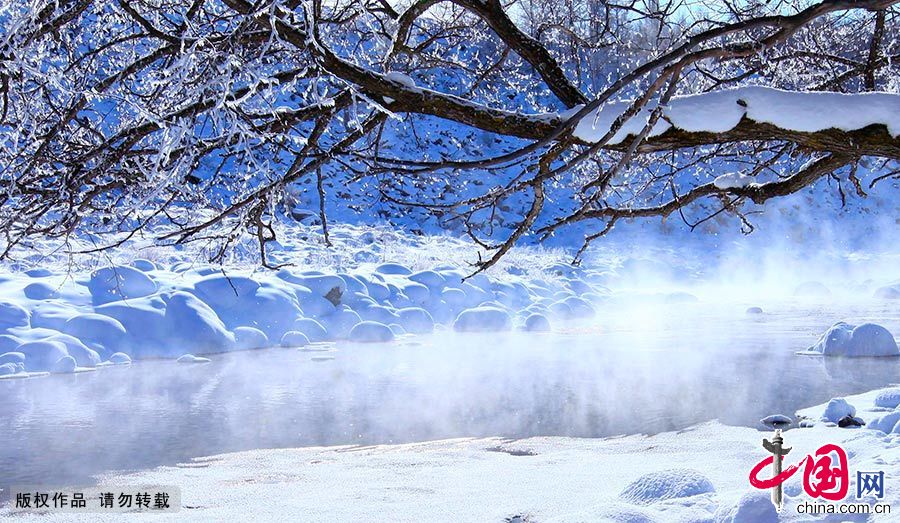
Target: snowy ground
700 474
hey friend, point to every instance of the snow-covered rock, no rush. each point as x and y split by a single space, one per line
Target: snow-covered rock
119 358
82 355
143 265
430 279
843 339
294 339
537 323
416 320
192 323
393 269
888 292
754 507
888 398
42 355
754 310
483 319
313 330
190 358
371 332
97 331
667 484
52 314
119 282
40 291
250 338
887 423
13 315
836 409
64 365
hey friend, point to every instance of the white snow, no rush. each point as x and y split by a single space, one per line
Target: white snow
483 319
190 358
843 339
400 78
666 484
371 332
732 181
721 111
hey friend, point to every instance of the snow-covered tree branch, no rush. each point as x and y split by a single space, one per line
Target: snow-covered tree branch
193 120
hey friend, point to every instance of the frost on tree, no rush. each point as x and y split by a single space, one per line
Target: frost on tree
203 121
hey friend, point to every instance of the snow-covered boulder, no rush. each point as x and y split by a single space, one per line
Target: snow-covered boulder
250 338
42 355
143 265
754 310
836 409
10 368
194 324
371 332
243 302
65 364
416 292
667 484
416 320
190 358
84 356
393 268
8 342
579 308
430 279
888 423
13 315
38 273
15 358
119 358
888 398
40 291
339 323
97 331
52 314
378 313
888 292
754 507
483 319
119 282
843 339
294 339
314 330
537 322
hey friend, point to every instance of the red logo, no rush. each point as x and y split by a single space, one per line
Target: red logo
822 477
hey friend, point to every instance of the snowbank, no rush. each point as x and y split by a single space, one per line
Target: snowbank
625 479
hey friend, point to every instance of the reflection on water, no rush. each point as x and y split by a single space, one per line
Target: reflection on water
681 365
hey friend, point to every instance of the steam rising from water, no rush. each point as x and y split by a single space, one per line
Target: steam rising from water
637 367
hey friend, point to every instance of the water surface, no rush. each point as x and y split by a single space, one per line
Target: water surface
640 370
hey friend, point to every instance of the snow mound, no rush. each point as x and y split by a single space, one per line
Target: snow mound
120 358
119 282
754 310
843 339
753 507
889 423
192 323
416 320
97 331
482 319
393 268
84 356
313 330
42 355
429 279
889 292
40 291
190 358
371 332
666 484
776 421
836 409
537 323
143 265
250 338
294 339
888 398
65 364
13 315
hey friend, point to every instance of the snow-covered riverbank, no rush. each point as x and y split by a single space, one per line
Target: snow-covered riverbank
699 474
